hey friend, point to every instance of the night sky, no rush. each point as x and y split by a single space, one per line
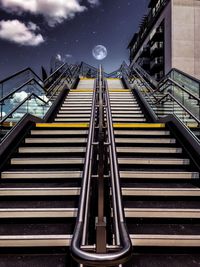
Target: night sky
111 23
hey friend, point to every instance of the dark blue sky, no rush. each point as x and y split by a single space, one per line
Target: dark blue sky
112 24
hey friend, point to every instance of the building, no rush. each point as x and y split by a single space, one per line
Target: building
168 37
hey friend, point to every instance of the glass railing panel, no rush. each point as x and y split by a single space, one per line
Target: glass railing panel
9 85
7 105
192 104
37 107
187 82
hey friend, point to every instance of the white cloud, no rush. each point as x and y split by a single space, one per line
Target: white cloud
17 32
68 56
55 11
59 57
3 114
94 2
18 97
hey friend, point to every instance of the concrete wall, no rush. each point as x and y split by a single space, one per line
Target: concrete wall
186 36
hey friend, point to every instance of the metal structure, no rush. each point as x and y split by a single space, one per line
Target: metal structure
79 182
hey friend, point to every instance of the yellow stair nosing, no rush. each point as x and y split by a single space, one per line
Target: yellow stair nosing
62 125
139 125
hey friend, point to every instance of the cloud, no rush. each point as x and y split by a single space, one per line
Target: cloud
54 11
3 114
62 58
18 97
35 106
94 2
68 56
58 57
17 32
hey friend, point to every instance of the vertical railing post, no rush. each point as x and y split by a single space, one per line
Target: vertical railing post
101 223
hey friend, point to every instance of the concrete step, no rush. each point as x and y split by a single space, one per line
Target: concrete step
26 174
153 161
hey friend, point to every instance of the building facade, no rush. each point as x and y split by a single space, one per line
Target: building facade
169 37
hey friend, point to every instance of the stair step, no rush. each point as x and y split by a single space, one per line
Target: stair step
38 213
122 98
35 241
149 150
73 116
76 109
46 161
72 119
145 140
80 96
76 105
162 213
58 191
183 192
129 120
128 112
141 132
136 107
124 102
158 175
55 140
41 175
128 116
59 132
52 150
77 102
122 106
75 112
154 161
165 240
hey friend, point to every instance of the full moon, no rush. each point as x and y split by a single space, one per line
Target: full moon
99 52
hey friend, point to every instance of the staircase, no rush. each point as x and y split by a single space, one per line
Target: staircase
42 183
160 188
40 187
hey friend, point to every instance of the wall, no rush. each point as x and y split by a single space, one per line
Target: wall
186 36
166 15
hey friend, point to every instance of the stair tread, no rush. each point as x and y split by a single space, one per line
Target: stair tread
165 240
38 191
47 160
145 140
152 191
148 150
152 161
52 149
55 140
159 174
41 174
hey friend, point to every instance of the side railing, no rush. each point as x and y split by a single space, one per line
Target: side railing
184 103
100 254
32 98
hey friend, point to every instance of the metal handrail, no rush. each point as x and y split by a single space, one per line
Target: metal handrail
50 89
18 73
19 88
180 104
79 236
21 103
153 93
60 67
122 236
27 98
122 253
162 83
172 82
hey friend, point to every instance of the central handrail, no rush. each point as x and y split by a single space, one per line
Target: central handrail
122 236
124 247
